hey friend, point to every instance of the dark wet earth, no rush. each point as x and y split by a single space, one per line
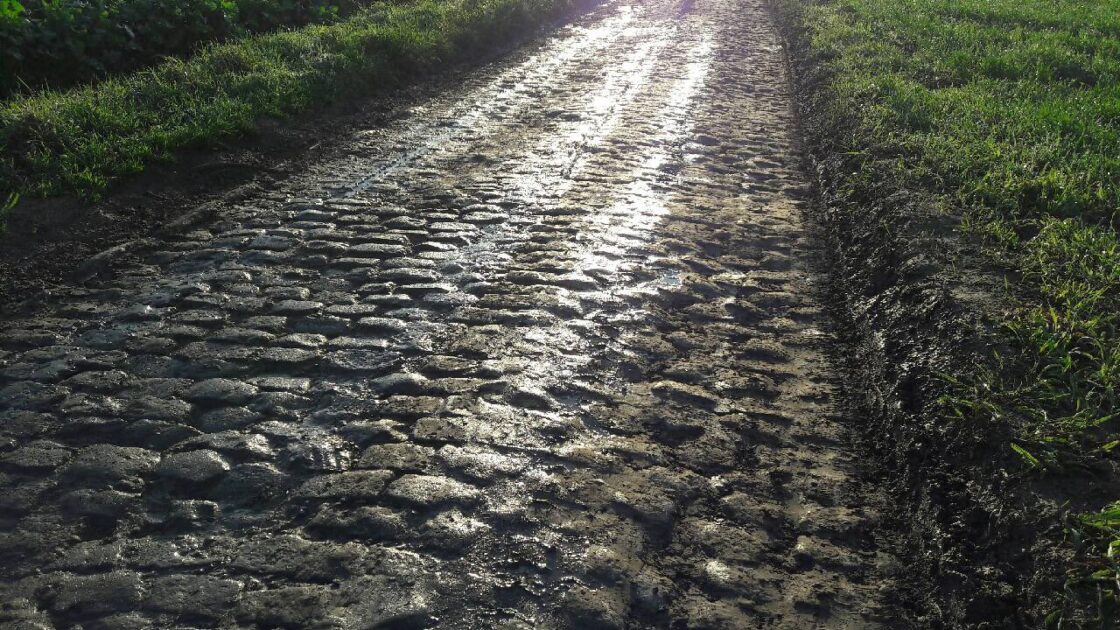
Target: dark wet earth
545 352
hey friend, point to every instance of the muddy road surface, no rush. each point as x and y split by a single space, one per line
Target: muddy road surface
544 352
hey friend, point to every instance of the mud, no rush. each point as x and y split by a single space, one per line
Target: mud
546 352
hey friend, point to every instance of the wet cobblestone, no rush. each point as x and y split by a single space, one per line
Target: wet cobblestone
544 352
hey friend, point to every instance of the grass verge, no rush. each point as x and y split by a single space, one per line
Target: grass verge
79 141
47 43
1002 119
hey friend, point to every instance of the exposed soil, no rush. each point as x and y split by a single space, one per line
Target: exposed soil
542 350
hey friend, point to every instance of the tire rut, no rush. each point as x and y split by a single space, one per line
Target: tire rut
544 352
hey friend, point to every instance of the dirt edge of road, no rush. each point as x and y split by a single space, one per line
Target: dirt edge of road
47 242
916 301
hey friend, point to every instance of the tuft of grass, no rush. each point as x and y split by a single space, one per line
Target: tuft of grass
1100 576
6 206
1007 113
80 141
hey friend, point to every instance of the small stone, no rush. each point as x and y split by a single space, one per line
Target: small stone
370 522
18 423
719 575
302 340
684 394
392 300
406 275
764 351
271 323
105 503
202 355
152 344
201 317
364 432
297 307
293 557
201 595
409 407
282 383
281 404
193 513
163 387
21 338
598 608
382 325
288 293
84 557
353 310
157 434
244 336
328 325
99 381
233 443
288 356
271 243
397 456
439 429
399 383
194 466
221 391
250 483
363 361
431 490
125 621
453 530
531 399
804 553
357 484
482 463
324 455
153 408
29 395
226 418
405 223
286 607
315 216
108 463
367 344
40 455
98 593
376 250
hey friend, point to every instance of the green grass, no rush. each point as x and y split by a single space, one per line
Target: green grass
60 44
1007 114
80 141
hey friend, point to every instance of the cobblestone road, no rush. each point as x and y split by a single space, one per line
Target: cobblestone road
542 353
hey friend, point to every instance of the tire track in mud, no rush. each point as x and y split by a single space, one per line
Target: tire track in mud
542 353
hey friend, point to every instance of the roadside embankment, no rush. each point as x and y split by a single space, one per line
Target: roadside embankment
968 184
46 44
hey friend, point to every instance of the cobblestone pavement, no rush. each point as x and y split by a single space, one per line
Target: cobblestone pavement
541 353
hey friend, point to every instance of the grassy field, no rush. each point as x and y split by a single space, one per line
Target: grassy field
1007 114
79 141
